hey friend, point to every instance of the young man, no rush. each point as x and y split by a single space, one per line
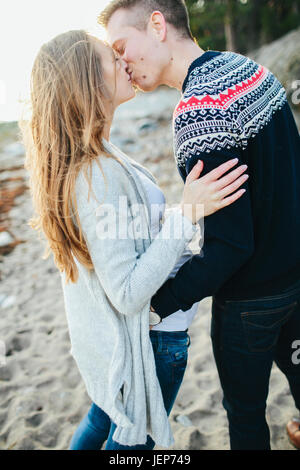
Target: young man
250 262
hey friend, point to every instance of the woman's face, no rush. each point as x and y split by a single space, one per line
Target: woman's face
117 79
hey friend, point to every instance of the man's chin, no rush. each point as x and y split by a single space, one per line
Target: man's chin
145 87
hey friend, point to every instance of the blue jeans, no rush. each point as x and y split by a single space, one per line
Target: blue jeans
171 353
247 336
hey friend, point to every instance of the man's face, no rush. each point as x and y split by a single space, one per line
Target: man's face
140 49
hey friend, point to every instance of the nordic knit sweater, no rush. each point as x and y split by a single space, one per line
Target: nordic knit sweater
233 107
108 308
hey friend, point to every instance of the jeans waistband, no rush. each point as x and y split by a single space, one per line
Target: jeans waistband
291 293
169 334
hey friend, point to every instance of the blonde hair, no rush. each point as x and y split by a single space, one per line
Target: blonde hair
63 137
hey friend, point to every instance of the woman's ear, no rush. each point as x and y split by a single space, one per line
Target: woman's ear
158 25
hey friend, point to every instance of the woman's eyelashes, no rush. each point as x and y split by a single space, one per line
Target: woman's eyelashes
117 57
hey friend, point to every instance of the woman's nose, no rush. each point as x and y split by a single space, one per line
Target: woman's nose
124 57
125 65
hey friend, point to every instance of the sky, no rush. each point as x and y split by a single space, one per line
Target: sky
24 26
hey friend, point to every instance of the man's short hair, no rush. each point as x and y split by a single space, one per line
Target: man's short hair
174 11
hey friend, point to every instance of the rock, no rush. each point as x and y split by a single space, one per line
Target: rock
135 149
5 239
147 125
121 142
127 145
191 439
5 373
184 420
8 302
124 141
159 103
282 57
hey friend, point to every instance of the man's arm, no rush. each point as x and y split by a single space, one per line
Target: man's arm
228 244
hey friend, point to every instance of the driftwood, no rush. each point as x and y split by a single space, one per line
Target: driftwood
10 188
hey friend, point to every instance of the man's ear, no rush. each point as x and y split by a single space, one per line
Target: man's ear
158 25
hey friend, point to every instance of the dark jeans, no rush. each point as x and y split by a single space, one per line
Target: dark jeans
171 353
247 336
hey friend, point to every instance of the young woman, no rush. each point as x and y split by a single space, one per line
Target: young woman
109 276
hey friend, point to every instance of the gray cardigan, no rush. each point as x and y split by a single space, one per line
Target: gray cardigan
108 309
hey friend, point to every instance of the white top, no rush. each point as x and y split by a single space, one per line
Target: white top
179 320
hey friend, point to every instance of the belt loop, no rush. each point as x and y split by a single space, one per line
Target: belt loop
159 342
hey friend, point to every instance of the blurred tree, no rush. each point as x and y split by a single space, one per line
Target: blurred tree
207 22
254 24
241 25
230 24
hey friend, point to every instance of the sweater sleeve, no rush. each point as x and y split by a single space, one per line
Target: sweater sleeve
228 244
128 278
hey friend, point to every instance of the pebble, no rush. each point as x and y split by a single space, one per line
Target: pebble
146 126
184 420
8 302
5 239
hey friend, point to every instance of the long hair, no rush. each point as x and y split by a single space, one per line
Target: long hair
63 137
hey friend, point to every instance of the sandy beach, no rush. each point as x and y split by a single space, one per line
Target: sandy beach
42 396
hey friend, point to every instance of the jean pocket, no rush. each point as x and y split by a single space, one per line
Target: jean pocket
262 327
178 353
179 356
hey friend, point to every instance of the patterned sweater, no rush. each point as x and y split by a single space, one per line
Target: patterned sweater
233 107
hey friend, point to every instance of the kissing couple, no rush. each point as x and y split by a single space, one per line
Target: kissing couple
233 116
